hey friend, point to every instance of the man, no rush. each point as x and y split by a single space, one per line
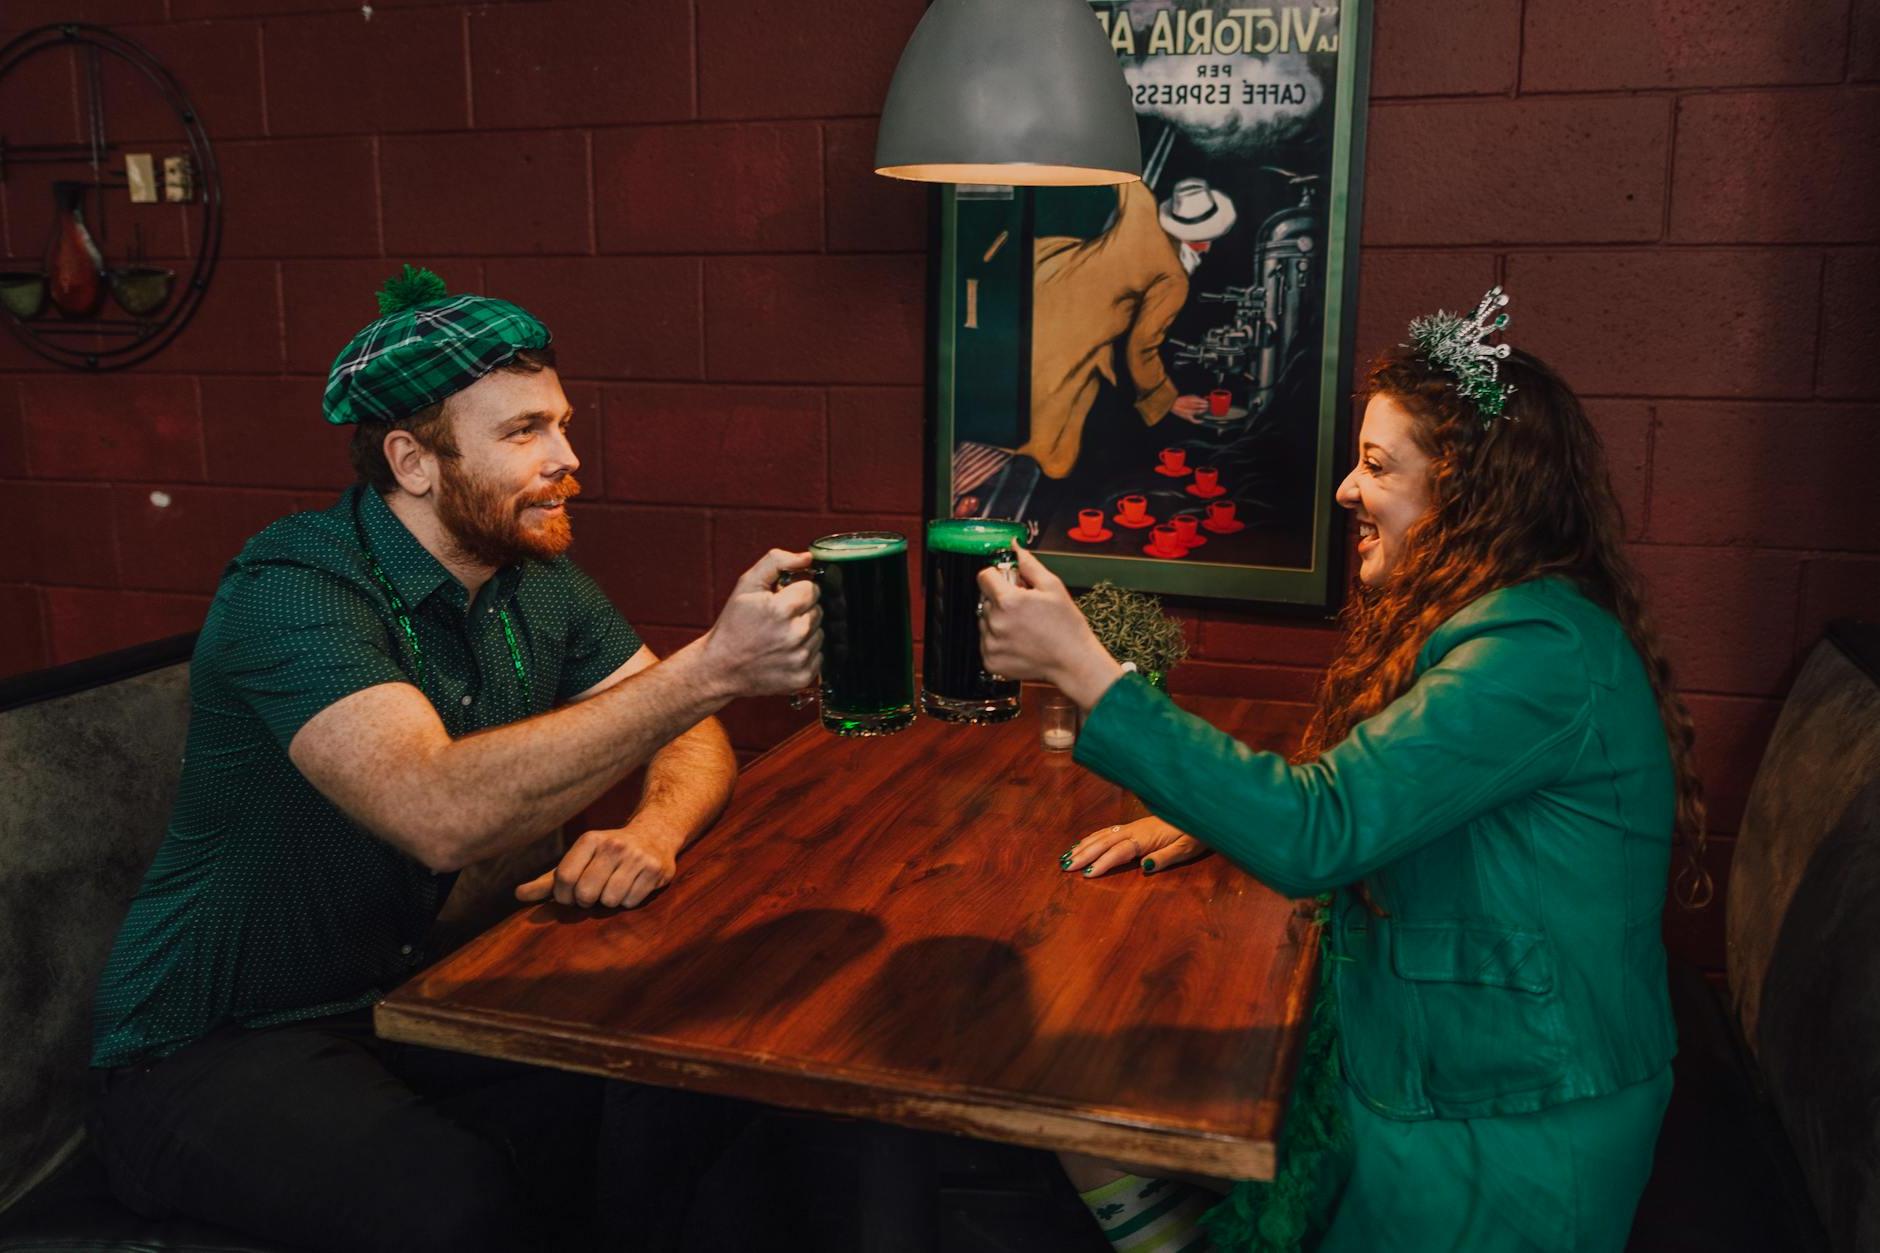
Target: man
1119 290
1127 284
384 692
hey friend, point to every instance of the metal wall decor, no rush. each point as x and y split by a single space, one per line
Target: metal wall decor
93 302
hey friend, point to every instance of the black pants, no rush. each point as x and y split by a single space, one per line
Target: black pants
319 1135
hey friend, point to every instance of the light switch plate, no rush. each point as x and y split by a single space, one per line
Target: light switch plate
179 180
140 171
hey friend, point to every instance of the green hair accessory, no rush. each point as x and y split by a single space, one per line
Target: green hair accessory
415 286
1454 345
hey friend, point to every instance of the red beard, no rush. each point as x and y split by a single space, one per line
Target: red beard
486 524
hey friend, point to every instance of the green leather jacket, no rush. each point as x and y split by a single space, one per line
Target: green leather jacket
1511 814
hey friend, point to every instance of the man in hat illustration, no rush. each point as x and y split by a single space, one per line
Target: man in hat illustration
385 692
1089 296
1127 285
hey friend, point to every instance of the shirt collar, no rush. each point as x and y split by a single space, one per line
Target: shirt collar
411 567
407 563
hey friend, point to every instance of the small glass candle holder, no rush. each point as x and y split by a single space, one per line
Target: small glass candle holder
1057 721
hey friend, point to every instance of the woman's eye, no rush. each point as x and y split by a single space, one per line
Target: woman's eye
1371 467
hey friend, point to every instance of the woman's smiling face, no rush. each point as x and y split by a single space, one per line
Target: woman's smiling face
1388 490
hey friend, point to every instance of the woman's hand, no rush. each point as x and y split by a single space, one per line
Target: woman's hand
1033 630
1151 841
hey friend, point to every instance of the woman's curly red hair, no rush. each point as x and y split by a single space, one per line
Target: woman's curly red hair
1523 496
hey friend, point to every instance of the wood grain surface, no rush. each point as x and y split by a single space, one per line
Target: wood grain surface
879 928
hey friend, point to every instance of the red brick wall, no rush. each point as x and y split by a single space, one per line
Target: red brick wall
1679 193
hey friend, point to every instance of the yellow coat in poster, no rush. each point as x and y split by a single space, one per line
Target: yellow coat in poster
1088 293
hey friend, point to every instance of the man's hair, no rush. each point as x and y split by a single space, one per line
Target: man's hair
429 426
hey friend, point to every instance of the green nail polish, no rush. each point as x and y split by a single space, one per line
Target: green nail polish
1088 869
1148 865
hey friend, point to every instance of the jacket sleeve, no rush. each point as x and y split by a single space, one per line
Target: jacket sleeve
1498 714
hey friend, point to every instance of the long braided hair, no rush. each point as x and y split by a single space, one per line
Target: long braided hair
1524 496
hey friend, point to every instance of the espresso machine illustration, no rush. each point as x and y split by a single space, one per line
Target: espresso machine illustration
1259 342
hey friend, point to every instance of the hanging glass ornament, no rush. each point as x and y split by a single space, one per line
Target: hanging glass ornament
74 265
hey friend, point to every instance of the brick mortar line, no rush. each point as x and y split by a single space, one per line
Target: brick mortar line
1627 93
490 128
1514 247
469 70
1851 86
680 380
1510 248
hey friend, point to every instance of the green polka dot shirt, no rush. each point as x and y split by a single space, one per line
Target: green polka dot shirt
265 903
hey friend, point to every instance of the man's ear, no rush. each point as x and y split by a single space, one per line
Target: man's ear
412 464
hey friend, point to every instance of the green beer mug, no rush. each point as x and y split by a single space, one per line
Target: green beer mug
867 683
955 684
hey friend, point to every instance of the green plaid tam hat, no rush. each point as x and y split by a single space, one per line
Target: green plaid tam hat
425 345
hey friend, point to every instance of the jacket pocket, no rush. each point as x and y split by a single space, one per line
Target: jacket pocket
1490 1014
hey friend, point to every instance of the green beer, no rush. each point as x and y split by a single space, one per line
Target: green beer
955 686
868 643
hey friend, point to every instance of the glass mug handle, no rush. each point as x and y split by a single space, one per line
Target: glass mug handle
807 696
1006 564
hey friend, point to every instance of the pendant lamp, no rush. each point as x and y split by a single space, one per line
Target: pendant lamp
1019 92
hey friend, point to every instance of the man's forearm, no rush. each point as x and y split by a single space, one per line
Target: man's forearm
489 790
688 783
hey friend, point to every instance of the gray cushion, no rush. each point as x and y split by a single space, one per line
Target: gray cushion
89 779
1824 751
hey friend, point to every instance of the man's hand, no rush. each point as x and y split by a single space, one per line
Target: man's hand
768 639
617 869
1189 408
1036 631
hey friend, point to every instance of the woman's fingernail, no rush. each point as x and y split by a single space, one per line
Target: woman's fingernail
1088 869
1148 865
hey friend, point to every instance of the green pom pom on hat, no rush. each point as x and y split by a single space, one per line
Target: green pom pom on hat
426 344
415 286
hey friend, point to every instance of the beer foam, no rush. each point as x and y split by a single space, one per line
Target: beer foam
977 536
858 545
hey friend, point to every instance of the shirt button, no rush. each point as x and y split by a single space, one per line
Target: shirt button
466 700
404 950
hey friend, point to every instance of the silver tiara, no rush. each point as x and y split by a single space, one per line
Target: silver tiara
1454 345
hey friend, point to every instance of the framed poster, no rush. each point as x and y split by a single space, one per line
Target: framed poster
1153 377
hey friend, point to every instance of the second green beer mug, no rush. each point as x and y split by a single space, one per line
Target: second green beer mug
867 683
955 684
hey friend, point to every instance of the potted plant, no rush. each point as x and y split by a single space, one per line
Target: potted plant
1132 626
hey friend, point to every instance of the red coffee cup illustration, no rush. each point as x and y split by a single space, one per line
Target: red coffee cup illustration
1187 526
1090 521
1219 401
1174 462
1134 511
1221 518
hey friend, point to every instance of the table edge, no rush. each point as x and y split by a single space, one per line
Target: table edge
987 1115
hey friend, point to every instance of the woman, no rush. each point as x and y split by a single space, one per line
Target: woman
1489 786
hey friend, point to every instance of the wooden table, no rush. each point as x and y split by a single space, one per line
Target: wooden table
879 928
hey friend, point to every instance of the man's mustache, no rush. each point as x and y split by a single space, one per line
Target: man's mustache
567 489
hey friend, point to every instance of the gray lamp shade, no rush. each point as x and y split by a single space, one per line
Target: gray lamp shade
1009 91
